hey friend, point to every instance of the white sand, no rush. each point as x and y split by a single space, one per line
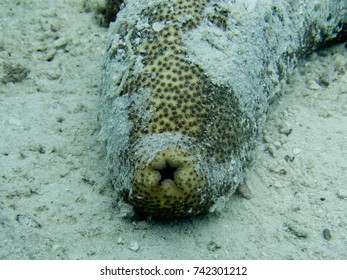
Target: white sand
56 202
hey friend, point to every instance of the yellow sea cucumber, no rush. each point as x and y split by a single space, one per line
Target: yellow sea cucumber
185 86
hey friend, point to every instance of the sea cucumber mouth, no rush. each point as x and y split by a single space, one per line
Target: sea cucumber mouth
167 173
169 186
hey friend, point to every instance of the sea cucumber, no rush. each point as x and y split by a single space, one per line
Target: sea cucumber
186 86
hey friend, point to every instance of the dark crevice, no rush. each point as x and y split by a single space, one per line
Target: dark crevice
109 11
341 37
167 173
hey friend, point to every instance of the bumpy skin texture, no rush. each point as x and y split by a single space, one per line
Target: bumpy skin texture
177 129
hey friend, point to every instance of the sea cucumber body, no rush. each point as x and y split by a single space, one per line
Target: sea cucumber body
186 86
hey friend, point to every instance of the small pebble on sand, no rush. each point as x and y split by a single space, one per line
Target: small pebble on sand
134 246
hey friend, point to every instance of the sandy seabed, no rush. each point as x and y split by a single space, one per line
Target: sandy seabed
56 201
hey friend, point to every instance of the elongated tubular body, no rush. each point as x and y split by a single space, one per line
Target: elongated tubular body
187 84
